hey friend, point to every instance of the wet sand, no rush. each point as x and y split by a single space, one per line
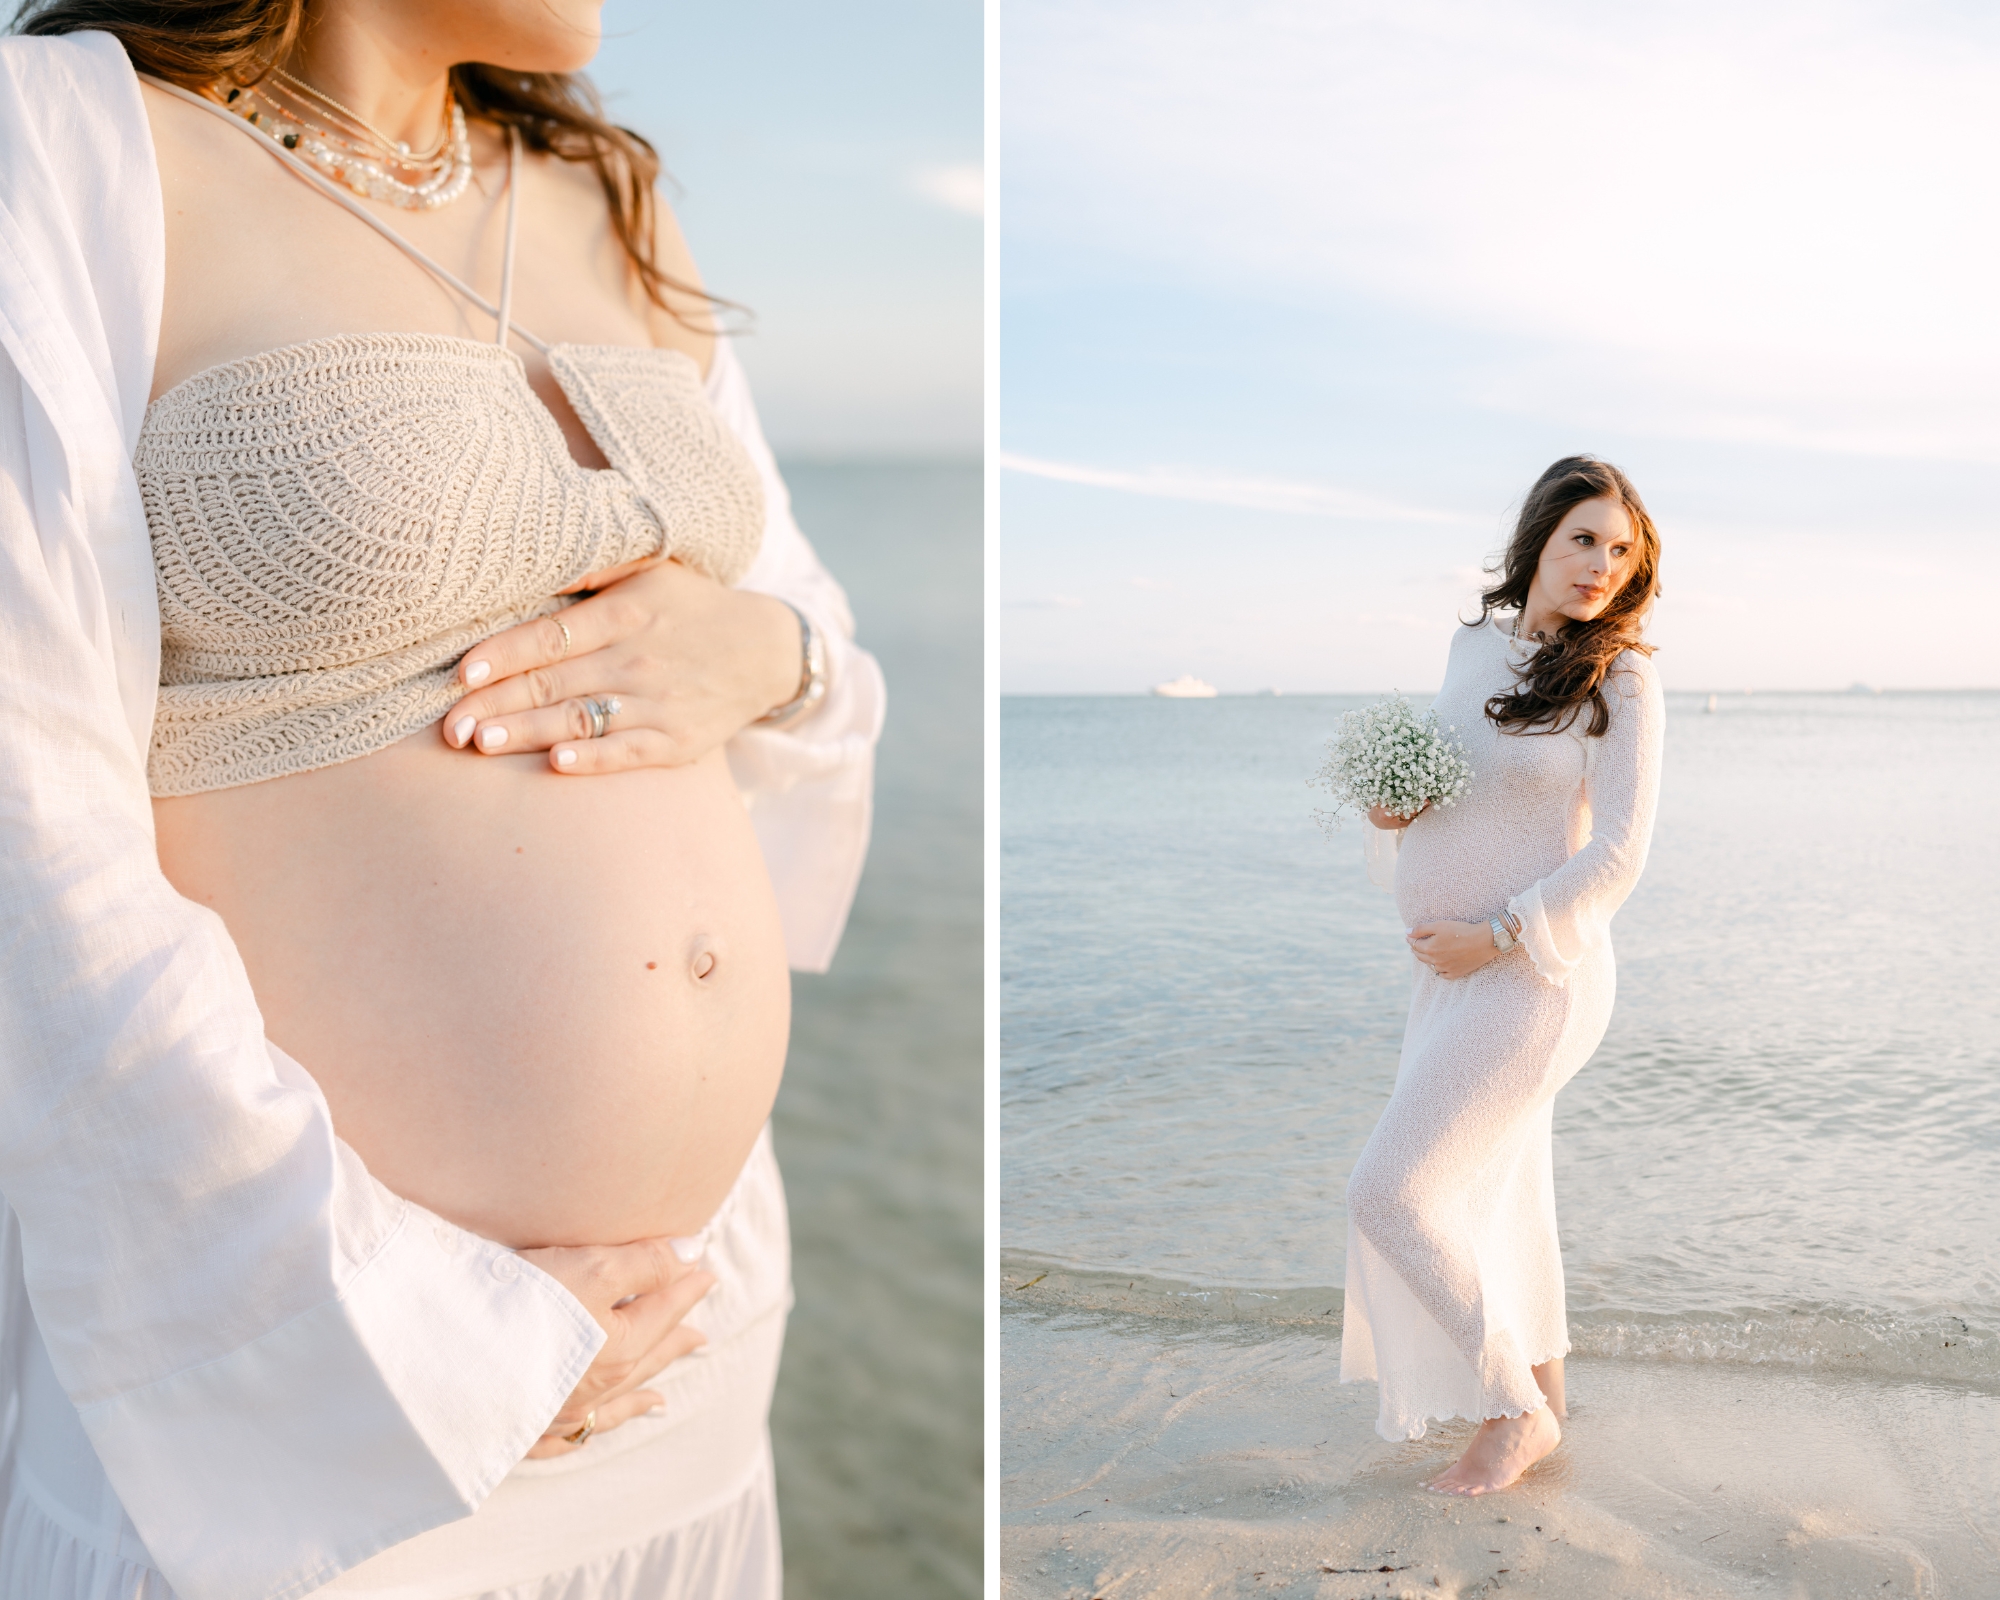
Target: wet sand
1157 1457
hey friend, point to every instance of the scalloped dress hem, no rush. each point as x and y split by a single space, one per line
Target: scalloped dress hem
1417 1427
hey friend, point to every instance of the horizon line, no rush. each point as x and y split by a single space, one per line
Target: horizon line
1850 692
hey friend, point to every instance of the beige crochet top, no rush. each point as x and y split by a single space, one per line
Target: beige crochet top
335 523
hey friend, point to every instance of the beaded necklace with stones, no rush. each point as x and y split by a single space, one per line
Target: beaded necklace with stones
402 151
291 113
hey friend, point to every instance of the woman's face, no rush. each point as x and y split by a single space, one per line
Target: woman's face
1586 561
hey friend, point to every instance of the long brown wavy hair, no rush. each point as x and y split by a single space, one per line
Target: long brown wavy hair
197 43
1568 671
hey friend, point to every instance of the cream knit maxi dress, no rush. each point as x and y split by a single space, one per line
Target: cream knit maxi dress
1454 1278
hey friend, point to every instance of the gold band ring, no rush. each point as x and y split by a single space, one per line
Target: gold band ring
558 621
583 1433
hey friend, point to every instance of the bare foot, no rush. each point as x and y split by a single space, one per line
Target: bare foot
1502 1449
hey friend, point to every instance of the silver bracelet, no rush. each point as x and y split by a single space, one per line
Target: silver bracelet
812 676
1503 937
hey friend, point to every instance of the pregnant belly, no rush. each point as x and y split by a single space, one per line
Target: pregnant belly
1462 865
554 1010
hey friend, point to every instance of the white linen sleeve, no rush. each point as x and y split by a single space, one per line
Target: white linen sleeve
282 1367
810 786
1567 915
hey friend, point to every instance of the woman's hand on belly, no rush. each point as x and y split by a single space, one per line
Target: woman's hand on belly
1453 949
638 1293
691 663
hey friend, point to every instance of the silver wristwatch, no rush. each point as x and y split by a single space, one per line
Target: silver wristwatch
812 677
1503 936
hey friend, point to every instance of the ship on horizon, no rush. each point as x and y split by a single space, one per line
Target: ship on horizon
1186 687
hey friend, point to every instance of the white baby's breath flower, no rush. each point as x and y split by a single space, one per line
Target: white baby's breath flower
1389 756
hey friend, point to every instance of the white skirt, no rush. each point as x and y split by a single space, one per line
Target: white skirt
679 1505
1454 1271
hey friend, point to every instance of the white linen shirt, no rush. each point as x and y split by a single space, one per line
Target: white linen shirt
281 1366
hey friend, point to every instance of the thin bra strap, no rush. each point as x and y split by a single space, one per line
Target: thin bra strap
507 256
499 313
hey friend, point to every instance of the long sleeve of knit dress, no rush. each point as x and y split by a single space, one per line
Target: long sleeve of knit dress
1454 1275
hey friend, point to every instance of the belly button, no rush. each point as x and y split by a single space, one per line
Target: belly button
703 958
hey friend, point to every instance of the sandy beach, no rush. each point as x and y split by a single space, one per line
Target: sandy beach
1173 1456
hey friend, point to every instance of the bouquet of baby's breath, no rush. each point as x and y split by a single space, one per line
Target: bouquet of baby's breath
1388 756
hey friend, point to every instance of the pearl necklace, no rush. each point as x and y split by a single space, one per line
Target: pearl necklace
362 159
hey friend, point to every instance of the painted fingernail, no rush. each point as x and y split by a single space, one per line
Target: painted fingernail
477 672
688 1249
565 758
461 730
492 738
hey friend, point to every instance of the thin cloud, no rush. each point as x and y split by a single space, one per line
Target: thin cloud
956 185
1257 494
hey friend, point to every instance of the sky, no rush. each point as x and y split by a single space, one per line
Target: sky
828 162
1297 299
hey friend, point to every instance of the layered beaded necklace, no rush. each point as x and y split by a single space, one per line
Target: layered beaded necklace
347 148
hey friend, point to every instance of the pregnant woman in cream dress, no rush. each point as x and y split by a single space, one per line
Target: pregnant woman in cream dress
1454 1299
480 850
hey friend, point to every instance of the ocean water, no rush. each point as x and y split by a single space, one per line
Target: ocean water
877 1419
1786 1150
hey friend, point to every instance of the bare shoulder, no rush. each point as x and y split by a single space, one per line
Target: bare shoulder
196 150
176 124
567 190
578 205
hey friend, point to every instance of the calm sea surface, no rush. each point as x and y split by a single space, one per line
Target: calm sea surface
877 1418
1786 1150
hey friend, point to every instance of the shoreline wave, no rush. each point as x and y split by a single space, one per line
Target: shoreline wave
1925 1346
